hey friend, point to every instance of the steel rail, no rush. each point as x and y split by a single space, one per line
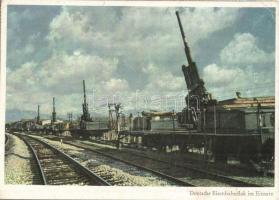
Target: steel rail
41 171
232 181
168 177
6 139
78 166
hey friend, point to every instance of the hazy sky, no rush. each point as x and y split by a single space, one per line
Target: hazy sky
134 55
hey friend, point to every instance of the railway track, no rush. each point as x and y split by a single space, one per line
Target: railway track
192 166
225 179
111 177
165 166
8 142
57 168
6 139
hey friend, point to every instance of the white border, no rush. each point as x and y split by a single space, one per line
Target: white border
175 3
100 192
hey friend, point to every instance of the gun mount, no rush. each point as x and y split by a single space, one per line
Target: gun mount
198 98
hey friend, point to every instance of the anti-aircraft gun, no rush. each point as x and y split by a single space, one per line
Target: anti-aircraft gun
224 124
198 98
85 113
87 125
85 117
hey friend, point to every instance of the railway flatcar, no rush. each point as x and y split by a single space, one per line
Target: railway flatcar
239 127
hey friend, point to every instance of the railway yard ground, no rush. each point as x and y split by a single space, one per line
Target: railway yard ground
129 166
17 162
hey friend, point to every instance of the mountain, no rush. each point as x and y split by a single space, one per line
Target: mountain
16 115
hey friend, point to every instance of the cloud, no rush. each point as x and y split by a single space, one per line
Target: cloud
63 73
199 23
220 76
243 49
26 29
63 70
162 81
241 66
140 35
128 51
116 85
99 44
22 78
224 81
61 77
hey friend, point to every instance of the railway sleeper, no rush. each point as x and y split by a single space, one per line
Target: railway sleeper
68 177
113 180
55 165
68 182
117 182
54 169
62 167
63 176
53 160
106 176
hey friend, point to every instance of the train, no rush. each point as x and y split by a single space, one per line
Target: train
241 127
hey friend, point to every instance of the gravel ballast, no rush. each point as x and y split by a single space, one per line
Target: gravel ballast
230 171
172 170
119 173
17 162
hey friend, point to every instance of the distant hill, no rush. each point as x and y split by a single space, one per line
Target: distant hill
16 115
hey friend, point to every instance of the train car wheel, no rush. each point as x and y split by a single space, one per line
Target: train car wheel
267 150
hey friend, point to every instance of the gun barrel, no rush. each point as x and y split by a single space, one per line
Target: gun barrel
84 93
53 104
186 48
180 25
53 112
38 116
